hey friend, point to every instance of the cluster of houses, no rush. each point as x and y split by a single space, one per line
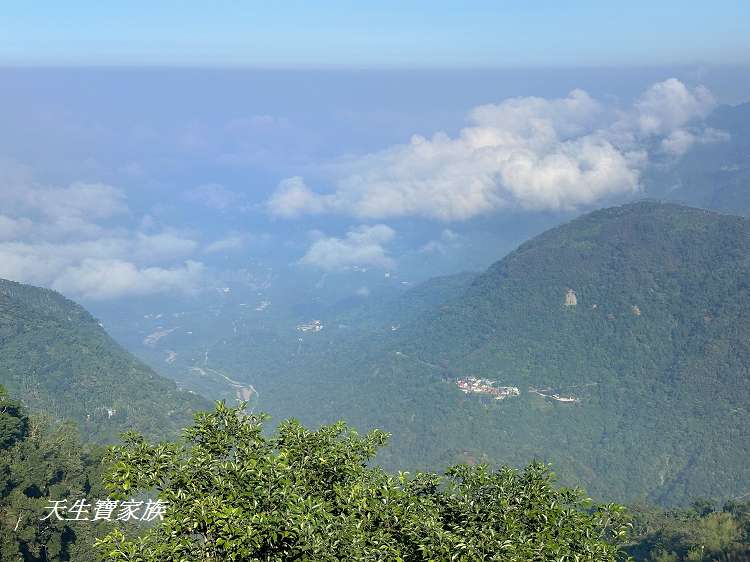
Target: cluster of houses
473 385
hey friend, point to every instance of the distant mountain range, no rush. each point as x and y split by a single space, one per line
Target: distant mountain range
57 358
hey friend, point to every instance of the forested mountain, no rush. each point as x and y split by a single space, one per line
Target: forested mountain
626 333
701 532
57 358
656 347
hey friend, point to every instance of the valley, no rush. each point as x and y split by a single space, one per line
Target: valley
588 338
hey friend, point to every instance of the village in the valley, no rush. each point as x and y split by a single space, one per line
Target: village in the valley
475 385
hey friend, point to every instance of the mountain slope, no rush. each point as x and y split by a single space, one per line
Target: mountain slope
661 332
376 313
654 357
58 359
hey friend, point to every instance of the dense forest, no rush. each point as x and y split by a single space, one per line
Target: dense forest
57 358
700 532
233 492
654 353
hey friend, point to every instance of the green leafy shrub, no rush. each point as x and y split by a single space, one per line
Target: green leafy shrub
234 493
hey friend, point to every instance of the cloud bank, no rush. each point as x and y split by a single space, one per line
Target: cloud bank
107 278
524 153
363 245
61 237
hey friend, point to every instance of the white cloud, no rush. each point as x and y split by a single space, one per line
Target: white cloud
60 237
568 117
30 263
60 212
527 153
162 246
447 241
681 140
669 112
105 279
669 105
293 198
363 245
55 265
678 142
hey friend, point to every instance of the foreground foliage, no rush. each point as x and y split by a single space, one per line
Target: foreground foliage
235 494
304 495
41 461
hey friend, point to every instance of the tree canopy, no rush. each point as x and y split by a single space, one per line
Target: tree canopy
39 461
234 493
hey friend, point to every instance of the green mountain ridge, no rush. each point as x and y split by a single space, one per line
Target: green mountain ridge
655 356
58 359
660 331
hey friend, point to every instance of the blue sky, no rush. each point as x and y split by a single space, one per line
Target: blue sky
152 147
386 33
